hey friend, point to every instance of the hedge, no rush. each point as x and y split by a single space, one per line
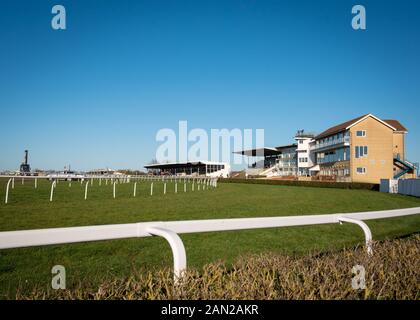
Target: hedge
317 184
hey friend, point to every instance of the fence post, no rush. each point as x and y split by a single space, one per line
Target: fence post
36 183
134 191
176 187
7 191
365 228
113 189
185 187
151 189
178 249
86 189
53 184
164 188
13 183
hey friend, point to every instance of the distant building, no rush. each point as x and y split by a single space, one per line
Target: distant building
193 168
103 172
364 149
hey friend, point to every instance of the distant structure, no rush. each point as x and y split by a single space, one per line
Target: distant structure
25 168
193 168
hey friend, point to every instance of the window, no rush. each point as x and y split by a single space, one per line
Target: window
361 151
361 170
300 141
361 133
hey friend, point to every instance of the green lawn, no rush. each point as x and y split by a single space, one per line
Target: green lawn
30 208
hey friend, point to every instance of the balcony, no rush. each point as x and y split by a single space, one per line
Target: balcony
332 144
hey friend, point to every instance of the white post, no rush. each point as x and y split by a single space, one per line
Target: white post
23 181
86 189
113 189
13 183
192 186
134 191
176 187
100 181
185 187
365 228
70 184
52 190
36 183
7 191
164 188
178 249
151 189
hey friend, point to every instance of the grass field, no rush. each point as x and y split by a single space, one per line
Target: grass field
95 262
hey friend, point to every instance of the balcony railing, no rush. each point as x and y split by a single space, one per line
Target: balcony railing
331 143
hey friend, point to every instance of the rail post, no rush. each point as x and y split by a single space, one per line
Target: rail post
177 247
86 189
53 184
6 199
365 228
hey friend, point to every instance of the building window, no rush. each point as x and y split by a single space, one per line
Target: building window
361 151
361 170
300 141
361 133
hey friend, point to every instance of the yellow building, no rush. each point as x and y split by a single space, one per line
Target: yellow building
365 149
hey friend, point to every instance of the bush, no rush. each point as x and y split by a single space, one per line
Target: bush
318 184
392 272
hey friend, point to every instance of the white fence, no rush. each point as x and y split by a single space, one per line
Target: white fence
409 187
205 182
170 230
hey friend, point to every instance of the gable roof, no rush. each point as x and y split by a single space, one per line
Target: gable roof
397 125
393 124
338 128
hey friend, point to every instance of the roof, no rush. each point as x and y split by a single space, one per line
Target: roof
338 128
265 151
293 145
393 124
397 125
182 164
259 152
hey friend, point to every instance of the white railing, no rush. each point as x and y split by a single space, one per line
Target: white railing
206 182
170 230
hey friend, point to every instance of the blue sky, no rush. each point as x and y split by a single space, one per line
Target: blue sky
96 94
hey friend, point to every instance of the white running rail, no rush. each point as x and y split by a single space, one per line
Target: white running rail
171 229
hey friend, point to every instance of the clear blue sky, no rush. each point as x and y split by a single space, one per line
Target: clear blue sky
95 94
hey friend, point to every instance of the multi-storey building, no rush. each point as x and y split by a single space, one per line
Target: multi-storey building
364 149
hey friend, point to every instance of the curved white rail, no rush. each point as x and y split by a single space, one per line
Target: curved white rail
168 230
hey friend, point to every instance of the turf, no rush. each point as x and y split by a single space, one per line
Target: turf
30 208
